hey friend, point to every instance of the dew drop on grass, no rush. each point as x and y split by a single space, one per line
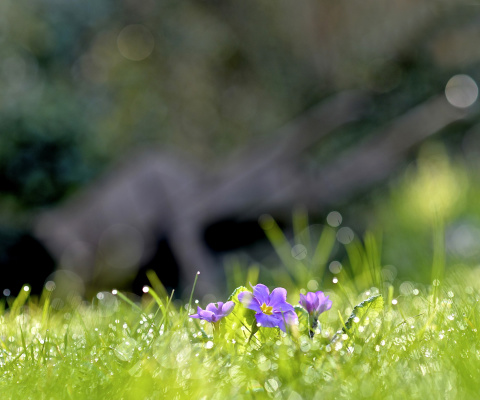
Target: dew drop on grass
124 351
265 364
209 344
271 385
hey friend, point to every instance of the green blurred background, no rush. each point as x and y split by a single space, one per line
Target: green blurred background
84 83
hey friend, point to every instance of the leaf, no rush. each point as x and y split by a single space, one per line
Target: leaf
368 308
303 322
267 335
240 316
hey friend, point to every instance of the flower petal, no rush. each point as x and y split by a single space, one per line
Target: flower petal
227 308
303 302
255 306
245 298
208 316
278 296
270 321
290 317
219 309
312 299
197 315
261 293
248 301
278 300
325 304
211 307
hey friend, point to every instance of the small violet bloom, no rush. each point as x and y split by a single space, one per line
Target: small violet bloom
315 303
272 309
214 314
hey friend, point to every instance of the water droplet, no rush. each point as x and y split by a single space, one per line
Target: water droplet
209 344
271 385
124 351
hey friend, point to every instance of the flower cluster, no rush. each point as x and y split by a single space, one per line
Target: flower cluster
315 303
271 309
214 314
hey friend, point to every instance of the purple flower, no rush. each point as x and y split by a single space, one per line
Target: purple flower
315 303
271 309
214 314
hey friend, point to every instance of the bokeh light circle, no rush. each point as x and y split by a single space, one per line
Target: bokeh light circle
461 91
135 42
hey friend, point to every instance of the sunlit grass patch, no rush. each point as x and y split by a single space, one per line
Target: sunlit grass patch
344 329
409 346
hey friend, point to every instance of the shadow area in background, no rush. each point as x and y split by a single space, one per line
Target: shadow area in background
165 266
23 260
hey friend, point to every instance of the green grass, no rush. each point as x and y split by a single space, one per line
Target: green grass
418 341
